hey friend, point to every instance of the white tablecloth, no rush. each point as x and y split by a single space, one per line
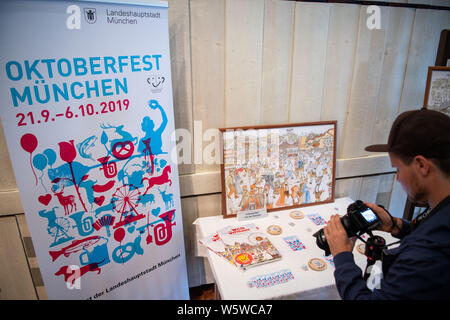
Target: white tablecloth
233 283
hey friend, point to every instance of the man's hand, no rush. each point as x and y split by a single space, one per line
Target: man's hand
337 238
386 220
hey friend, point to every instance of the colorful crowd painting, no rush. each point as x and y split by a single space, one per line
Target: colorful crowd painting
106 198
278 167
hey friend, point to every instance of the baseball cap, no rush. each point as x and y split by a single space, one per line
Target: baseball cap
418 132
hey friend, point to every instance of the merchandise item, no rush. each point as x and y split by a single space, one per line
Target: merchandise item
294 243
297 214
274 230
214 243
317 219
248 246
317 264
271 279
361 248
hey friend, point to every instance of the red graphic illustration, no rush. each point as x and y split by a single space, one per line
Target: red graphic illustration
109 169
126 201
103 188
68 153
73 274
76 246
105 221
163 231
123 149
29 143
160 180
65 201
99 200
45 200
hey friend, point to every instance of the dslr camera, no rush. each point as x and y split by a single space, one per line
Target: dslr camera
358 220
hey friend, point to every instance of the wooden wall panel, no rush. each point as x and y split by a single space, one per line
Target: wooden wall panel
308 65
422 53
341 45
180 57
277 59
31 257
208 68
364 90
244 21
398 24
15 277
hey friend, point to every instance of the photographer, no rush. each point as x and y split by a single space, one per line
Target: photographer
419 268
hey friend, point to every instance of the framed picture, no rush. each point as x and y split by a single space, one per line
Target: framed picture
437 92
277 167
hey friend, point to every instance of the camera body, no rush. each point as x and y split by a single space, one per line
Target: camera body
358 220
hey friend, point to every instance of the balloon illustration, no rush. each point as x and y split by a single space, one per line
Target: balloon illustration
40 162
29 143
51 156
119 234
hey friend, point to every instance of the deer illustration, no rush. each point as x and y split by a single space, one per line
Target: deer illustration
66 201
167 198
160 180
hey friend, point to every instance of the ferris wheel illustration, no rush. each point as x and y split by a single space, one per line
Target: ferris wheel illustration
58 230
125 200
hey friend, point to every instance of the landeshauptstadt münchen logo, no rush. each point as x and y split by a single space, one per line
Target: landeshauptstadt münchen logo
90 14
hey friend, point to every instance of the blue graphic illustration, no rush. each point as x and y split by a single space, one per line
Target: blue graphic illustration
57 227
154 135
106 192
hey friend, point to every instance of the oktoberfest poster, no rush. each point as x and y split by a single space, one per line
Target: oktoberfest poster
87 112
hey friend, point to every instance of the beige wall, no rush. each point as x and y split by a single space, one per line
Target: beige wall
248 62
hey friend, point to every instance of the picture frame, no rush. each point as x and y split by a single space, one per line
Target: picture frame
437 91
277 167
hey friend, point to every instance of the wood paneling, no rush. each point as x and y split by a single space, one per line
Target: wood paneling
308 65
279 20
244 21
15 276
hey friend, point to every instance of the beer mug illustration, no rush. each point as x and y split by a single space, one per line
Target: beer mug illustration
95 254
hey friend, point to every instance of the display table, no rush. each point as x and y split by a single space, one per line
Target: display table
306 282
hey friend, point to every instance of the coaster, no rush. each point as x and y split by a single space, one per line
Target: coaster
294 243
317 264
274 230
361 248
297 214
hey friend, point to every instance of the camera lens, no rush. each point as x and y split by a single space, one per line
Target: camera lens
321 241
350 227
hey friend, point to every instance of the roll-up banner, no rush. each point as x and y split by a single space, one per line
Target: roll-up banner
87 110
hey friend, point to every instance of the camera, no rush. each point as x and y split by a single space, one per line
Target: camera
358 220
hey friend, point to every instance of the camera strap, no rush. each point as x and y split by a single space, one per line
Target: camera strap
421 217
